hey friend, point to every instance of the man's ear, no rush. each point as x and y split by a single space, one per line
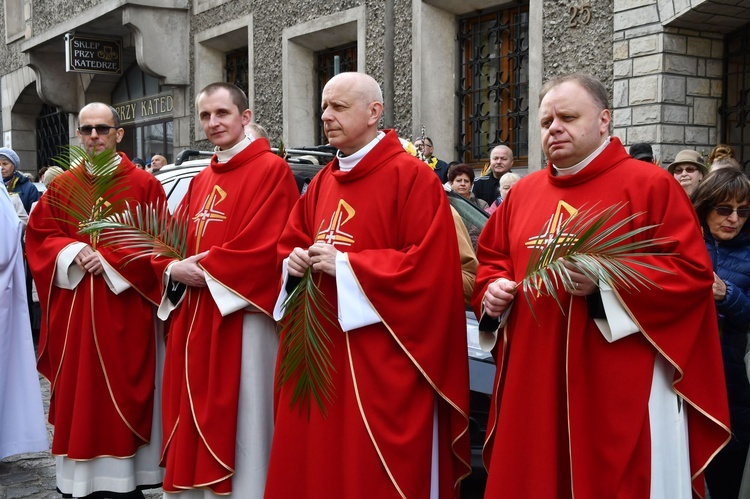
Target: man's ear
376 111
605 116
247 117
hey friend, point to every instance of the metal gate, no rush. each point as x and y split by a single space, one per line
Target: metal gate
51 135
735 112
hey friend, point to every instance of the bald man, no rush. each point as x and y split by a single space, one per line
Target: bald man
487 187
97 345
396 422
157 162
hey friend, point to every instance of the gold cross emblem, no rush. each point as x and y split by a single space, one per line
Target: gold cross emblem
563 213
209 213
333 233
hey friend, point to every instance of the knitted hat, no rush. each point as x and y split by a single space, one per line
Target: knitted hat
11 155
689 157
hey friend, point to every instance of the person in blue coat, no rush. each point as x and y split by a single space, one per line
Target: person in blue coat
16 181
722 202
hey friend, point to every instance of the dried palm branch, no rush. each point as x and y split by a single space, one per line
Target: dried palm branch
305 354
590 240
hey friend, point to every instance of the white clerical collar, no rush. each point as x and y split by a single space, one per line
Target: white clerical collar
346 163
226 155
572 170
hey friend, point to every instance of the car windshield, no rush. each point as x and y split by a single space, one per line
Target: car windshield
474 218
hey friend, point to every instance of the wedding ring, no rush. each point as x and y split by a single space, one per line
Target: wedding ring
577 285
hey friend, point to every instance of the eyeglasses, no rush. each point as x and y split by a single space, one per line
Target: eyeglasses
100 129
689 169
419 146
725 211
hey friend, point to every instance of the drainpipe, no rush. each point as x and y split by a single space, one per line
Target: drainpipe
388 63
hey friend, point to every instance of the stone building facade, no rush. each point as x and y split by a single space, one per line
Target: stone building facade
467 73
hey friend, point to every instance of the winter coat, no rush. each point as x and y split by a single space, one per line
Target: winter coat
731 262
25 189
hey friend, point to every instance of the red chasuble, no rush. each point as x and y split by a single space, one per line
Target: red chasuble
236 211
569 416
392 218
96 348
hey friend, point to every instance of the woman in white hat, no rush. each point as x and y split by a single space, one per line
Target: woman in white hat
688 169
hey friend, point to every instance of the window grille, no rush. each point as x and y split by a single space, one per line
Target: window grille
236 68
494 84
51 135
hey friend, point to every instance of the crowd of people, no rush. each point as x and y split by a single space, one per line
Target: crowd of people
186 371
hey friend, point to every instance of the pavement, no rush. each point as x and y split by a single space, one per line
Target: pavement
33 475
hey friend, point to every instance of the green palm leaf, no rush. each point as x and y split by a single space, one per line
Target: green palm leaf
588 239
87 194
87 197
143 231
305 348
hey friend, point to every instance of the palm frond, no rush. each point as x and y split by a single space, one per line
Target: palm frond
593 242
305 348
143 231
92 186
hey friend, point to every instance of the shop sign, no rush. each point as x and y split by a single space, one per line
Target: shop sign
93 54
148 108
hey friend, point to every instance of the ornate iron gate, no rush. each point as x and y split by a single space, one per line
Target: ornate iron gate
735 112
51 134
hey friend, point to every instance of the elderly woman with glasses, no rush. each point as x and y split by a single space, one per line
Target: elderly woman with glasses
722 202
688 169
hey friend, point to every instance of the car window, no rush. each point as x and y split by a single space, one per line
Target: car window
473 217
176 191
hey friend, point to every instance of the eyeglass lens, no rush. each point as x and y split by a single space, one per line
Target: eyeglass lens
100 129
725 211
689 169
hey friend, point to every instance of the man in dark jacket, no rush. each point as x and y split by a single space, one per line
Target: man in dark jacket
487 187
16 181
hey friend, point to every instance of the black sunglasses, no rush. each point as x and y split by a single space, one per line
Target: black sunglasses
725 211
100 129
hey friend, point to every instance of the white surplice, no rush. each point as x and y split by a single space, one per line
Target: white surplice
22 427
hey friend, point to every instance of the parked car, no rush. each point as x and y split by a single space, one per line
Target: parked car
305 163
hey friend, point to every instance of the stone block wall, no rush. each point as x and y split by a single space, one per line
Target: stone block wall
667 81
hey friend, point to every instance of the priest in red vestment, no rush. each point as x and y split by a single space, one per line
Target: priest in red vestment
620 393
97 343
384 254
222 340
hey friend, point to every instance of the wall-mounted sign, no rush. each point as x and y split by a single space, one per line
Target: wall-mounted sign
93 54
148 108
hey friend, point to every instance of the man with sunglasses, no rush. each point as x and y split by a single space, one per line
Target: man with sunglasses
97 344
